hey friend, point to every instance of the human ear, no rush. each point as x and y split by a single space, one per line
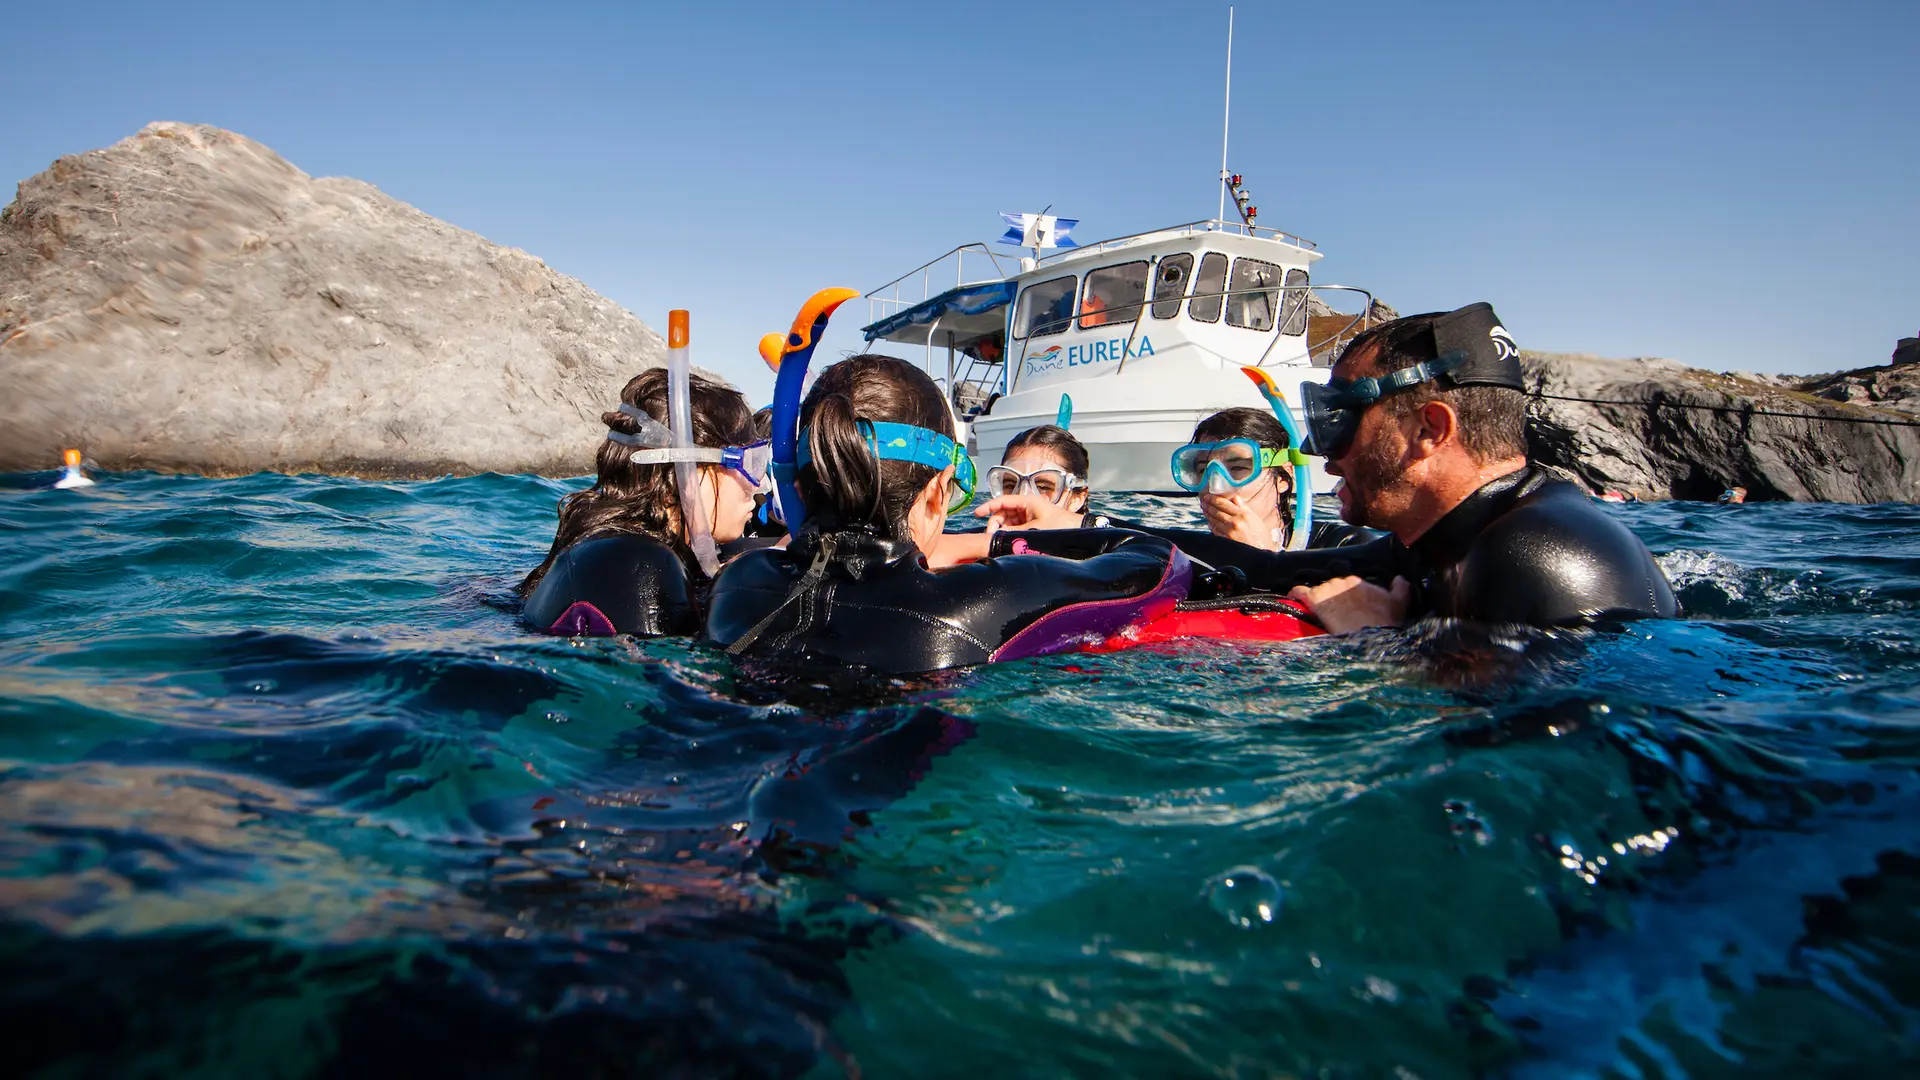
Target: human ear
1438 427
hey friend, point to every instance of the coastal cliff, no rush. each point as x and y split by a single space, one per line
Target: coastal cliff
187 300
1658 429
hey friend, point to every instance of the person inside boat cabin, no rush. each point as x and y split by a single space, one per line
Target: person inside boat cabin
1424 421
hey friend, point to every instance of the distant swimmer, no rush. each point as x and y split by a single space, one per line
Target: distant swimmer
1424 421
72 475
876 472
622 558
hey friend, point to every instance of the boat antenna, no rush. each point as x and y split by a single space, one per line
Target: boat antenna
1226 115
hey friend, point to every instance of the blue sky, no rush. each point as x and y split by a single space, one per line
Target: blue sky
1729 184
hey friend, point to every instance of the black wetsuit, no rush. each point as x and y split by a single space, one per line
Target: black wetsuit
1324 533
853 597
1525 548
622 584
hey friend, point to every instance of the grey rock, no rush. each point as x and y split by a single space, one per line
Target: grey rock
1672 431
187 300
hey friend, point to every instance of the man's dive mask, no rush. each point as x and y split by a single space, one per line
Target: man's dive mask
1333 411
922 446
1470 347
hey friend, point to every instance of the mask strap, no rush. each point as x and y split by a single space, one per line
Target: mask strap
653 433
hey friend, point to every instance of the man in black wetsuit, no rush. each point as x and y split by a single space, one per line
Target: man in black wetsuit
1424 421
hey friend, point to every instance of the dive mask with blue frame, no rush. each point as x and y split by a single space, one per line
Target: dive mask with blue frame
1224 465
922 446
1333 411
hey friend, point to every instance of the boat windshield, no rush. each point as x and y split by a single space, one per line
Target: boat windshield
1113 295
1250 303
1170 287
1045 308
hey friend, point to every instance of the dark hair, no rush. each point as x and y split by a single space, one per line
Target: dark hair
1493 419
763 423
644 499
845 485
1256 424
1057 441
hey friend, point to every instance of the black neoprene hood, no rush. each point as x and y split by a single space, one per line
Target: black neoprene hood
1492 357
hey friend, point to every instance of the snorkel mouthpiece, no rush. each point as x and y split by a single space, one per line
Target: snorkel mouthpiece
795 354
680 420
1302 467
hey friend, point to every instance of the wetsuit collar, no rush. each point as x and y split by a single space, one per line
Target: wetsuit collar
1447 541
856 552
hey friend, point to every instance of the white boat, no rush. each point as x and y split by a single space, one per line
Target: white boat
1145 333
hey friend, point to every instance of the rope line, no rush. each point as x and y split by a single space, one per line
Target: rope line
1872 421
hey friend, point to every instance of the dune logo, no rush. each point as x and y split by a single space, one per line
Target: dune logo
1089 353
1503 343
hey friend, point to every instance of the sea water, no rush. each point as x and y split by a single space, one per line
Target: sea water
286 791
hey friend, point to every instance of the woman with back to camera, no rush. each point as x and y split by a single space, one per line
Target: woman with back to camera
622 559
878 473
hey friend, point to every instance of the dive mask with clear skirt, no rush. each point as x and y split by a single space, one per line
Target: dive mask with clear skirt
1050 482
1220 467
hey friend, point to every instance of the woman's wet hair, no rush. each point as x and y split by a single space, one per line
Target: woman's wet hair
1057 441
1256 424
644 499
844 485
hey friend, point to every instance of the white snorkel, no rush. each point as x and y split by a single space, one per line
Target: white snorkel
680 421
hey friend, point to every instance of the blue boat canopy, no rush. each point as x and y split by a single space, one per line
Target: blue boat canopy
969 311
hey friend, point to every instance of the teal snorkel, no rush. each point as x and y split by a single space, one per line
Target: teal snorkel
1063 419
794 356
1302 465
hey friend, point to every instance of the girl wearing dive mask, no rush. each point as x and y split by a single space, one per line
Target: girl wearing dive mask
621 561
1046 461
1238 463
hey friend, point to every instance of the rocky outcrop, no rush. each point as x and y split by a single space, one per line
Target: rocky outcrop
1659 429
187 300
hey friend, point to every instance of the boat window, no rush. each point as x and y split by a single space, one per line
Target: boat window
1113 295
1293 305
1046 308
1170 285
1207 288
1250 303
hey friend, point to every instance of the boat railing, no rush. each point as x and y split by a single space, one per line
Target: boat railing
934 277
1212 225
1337 328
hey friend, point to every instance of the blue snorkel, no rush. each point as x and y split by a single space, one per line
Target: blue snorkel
1302 465
1063 418
795 353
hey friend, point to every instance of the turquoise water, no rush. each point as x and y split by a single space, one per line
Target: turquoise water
284 791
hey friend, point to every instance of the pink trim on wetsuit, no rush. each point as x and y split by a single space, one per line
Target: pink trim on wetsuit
582 618
1094 621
